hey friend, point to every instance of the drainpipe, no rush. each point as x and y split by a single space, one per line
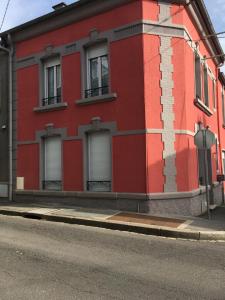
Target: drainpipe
9 51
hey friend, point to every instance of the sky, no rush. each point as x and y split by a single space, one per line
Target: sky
21 11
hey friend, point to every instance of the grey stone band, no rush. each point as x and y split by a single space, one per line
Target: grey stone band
167 101
135 28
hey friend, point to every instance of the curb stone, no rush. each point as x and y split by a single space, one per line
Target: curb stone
122 226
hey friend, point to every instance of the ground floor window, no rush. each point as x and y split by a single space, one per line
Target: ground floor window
99 161
52 163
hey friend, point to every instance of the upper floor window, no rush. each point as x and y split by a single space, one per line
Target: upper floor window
214 93
202 85
198 79
52 81
223 107
206 86
97 71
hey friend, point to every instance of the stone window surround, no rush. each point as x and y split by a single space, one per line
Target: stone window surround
95 38
96 125
48 54
197 101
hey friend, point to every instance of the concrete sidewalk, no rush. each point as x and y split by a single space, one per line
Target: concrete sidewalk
197 228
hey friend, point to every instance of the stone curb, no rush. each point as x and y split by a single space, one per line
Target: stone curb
123 226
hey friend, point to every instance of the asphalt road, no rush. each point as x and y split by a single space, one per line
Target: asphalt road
44 260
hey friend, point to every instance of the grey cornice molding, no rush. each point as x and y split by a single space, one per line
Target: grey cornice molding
115 132
87 8
137 27
125 31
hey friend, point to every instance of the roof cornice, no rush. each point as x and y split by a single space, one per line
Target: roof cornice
222 78
87 8
202 19
72 13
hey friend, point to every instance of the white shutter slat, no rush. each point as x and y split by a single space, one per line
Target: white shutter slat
53 159
99 158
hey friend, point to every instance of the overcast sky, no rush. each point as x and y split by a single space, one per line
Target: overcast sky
20 11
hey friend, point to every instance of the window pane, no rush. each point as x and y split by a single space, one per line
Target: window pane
50 76
198 86
58 83
94 73
105 74
223 107
58 76
214 94
206 89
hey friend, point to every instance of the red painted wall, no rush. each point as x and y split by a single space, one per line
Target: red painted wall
28 165
129 164
127 80
68 34
135 77
73 166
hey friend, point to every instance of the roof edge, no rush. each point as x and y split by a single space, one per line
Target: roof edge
74 12
85 8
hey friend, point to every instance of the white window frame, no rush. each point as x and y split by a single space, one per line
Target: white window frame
206 85
223 106
214 94
95 52
201 80
52 62
223 157
198 76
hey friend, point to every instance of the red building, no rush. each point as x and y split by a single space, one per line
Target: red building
107 98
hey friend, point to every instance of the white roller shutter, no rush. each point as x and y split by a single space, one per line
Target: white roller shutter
53 164
97 51
99 161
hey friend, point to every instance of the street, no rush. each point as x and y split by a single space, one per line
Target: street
46 260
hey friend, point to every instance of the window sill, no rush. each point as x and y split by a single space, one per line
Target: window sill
203 107
97 99
52 107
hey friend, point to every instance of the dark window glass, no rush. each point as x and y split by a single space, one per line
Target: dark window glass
104 74
206 88
198 85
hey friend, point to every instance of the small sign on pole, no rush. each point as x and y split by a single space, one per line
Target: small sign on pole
204 139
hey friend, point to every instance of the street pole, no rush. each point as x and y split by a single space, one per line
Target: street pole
206 173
